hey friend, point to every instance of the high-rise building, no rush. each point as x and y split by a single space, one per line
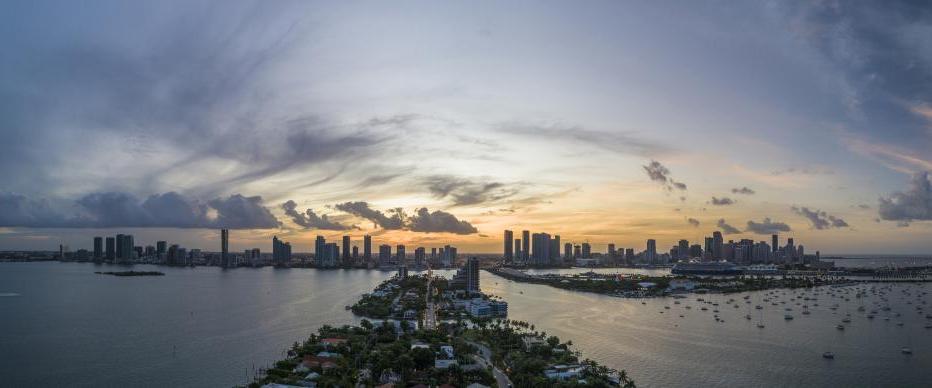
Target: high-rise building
611 250
111 249
124 247
420 255
650 255
509 244
577 251
225 248
554 250
472 275
540 249
98 247
119 246
385 254
717 245
774 242
526 245
281 251
518 252
400 254
367 247
355 253
682 249
586 250
568 252
346 249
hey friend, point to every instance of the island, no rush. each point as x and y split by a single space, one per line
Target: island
426 331
131 273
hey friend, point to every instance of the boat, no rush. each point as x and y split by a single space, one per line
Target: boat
840 327
712 268
748 317
828 355
788 317
760 325
906 351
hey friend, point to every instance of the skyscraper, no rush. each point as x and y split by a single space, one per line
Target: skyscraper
518 252
367 247
472 275
111 248
526 245
225 247
568 252
98 247
400 254
650 255
586 250
281 251
611 250
773 241
554 250
320 245
346 249
717 245
509 244
385 254
119 246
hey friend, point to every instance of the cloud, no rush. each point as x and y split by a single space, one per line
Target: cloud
743 190
118 209
422 221
659 173
465 192
767 227
622 143
309 219
914 204
438 222
820 219
724 201
727 229
395 221
693 222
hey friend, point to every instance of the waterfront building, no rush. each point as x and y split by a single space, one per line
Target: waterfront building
509 241
650 255
472 275
367 247
717 243
568 252
400 254
281 251
385 255
526 245
98 247
225 247
518 254
319 245
111 249
346 249
586 251
774 242
419 257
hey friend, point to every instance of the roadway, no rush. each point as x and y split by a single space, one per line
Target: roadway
485 356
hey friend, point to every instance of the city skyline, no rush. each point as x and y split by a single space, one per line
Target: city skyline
444 124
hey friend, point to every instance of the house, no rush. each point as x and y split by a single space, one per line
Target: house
327 342
328 354
389 377
564 372
311 361
445 358
419 344
447 350
530 341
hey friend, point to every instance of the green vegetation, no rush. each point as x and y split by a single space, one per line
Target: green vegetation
393 298
132 273
375 354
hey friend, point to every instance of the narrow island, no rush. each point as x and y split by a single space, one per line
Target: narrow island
426 331
131 273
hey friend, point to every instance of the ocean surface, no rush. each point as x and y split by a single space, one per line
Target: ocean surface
63 325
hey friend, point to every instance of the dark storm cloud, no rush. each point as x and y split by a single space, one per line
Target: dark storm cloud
743 190
659 173
693 222
820 219
116 209
726 228
767 226
724 201
881 49
914 204
309 219
361 209
464 191
423 220
437 222
622 143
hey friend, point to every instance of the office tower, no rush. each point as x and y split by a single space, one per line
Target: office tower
682 249
526 245
420 254
161 247
577 251
650 255
790 250
367 247
98 247
717 245
111 248
629 255
553 251
509 241
568 251
400 254
586 250
518 251
225 248
346 249
695 250
320 243
611 250
774 242
385 254
119 246
472 275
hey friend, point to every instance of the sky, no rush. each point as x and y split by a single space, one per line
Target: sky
432 123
